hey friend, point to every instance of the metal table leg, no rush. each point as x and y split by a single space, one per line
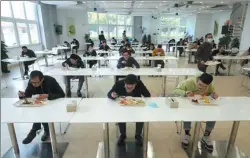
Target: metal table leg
106 139
195 139
21 70
13 139
232 138
145 139
229 67
46 60
87 87
86 63
164 86
53 140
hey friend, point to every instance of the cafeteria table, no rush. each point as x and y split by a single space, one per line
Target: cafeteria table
20 61
165 72
54 111
45 53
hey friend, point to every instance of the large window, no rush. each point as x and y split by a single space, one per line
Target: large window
171 28
112 25
19 23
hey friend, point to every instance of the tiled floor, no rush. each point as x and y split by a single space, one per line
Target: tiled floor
84 138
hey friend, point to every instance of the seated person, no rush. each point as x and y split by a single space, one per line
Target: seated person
151 47
126 61
180 49
76 62
245 61
171 43
76 43
188 88
113 41
159 52
130 49
29 53
133 87
91 52
122 47
219 51
48 88
101 37
135 42
104 47
66 44
91 43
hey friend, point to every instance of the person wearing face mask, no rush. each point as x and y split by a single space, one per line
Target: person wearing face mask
159 52
46 87
133 87
126 61
204 52
76 62
201 85
91 52
104 47
219 51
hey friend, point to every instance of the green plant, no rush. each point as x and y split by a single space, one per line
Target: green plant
235 43
225 40
144 39
4 50
149 38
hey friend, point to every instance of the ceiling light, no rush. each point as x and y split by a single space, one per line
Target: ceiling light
207 6
163 1
220 10
102 1
221 2
83 2
201 2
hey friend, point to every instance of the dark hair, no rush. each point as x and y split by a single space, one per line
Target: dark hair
206 78
249 49
24 47
131 79
74 56
207 35
159 46
101 31
122 41
65 42
127 45
36 73
104 41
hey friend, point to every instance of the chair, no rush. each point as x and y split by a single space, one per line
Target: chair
246 75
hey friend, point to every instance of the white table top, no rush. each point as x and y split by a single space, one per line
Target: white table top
212 63
53 111
247 69
100 110
136 58
62 47
122 72
191 50
44 52
231 57
22 59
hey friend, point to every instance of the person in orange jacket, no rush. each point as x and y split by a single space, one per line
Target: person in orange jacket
159 52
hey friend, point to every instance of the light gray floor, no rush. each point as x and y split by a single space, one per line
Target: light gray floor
84 138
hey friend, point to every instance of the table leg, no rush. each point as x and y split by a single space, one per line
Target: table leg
176 52
86 63
87 87
229 67
152 63
13 139
164 86
145 139
232 138
46 60
195 139
106 139
53 140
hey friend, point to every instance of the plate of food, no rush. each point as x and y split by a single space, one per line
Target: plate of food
204 100
29 102
129 101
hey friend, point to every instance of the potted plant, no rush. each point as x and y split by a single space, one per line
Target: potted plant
225 40
4 65
144 39
235 43
149 38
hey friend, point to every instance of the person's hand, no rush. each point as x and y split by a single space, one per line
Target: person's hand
42 96
214 95
202 62
114 94
190 94
21 94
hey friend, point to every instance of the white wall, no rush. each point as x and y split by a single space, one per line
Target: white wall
152 26
190 25
80 17
203 24
245 38
220 17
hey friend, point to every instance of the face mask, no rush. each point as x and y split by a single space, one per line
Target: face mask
210 40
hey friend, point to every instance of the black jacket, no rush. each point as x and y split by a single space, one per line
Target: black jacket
106 47
76 43
49 86
102 37
29 53
93 53
79 63
131 62
204 52
119 88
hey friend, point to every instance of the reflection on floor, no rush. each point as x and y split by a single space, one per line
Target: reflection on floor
84 138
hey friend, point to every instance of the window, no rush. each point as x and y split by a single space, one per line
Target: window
23 33
112 25
18 9
92 17
9 33
19 23
34 33
102 19
5 9
30 10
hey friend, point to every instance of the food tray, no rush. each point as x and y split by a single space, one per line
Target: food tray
20 103
131 102
206 100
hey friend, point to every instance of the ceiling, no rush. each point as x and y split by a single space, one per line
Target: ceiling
147 7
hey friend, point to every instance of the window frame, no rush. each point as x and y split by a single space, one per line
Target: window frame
26 21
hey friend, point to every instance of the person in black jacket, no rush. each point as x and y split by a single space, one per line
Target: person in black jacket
77 45
122 47
91 52
91 43
47 88
219 51
66 44
76 62
101 37
29 53
104 47
133 87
